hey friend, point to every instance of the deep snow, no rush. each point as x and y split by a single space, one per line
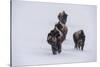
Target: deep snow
32 21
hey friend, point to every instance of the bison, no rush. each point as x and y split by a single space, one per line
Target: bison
56 36
55 39
79 39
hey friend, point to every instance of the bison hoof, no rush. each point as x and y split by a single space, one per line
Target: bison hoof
54 53
81 49
59 51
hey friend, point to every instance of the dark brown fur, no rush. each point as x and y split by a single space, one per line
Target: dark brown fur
55 39
63 28
79 39
58 34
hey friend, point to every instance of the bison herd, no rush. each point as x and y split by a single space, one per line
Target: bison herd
56 36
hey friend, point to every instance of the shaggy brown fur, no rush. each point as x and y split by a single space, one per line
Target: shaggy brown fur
55 39
79 39
63 28
58 34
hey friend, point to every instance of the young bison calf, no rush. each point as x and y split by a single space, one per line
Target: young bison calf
79 39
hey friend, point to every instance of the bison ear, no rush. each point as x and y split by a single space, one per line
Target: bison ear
59 16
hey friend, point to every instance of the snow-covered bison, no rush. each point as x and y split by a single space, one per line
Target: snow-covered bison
56 36
55 39
79 39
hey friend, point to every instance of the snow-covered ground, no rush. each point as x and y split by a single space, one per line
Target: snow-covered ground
32 21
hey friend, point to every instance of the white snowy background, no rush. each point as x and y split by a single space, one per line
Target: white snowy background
31 23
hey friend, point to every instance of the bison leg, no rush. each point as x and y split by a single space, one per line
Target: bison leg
82 46
75 46
79 46
59 48
75 41
54 49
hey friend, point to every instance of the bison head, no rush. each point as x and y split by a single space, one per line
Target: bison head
62 17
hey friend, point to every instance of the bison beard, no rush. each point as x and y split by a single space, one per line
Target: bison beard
79 39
